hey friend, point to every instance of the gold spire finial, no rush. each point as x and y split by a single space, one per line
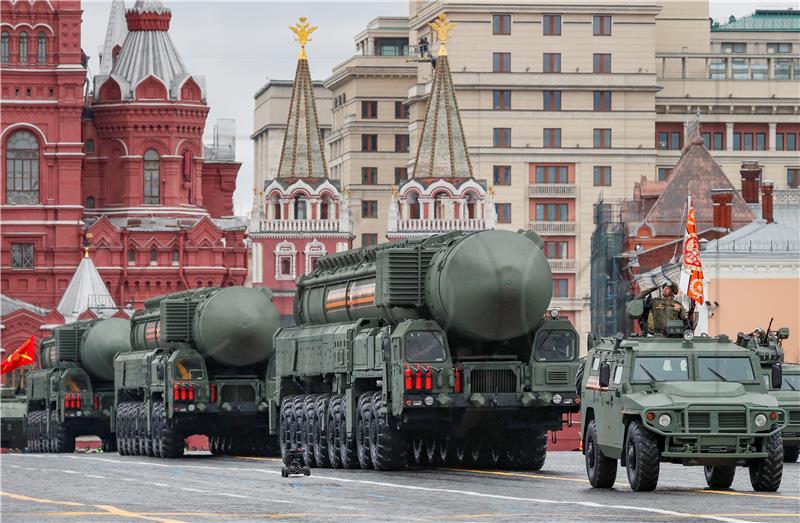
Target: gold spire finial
442 26
87 241
302 31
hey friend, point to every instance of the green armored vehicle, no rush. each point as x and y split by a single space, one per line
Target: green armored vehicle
73 393
12 419
430 351
789 398
672 399
200 365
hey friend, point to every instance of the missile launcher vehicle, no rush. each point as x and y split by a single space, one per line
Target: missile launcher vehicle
73 393
426 351
12 419
200 365
677 398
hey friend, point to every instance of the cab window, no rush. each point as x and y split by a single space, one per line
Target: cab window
790 382
658 368
188 369
555 346
725 369
76 383
595 363
618 374
424 347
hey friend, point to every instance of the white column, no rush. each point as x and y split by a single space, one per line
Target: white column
729 136
772 127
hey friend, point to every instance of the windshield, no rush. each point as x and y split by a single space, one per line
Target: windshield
725 369
555 346
424 346
76 383
661 368
189 369
791 382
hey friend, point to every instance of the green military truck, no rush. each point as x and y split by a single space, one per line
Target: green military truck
200 365
679 399
73 393
12 419
789 398
427 351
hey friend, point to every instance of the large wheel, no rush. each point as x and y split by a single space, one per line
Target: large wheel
529 449
363 415
766 473
347 444
122 436
388 446
297 423
147 418
309 408
170 441
642 458
332 432
62 439
719 476
790 454
602 471
32 431
321 455
284 427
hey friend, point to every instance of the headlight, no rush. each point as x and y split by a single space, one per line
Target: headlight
688 335
428 400
760 420
557 399
664 420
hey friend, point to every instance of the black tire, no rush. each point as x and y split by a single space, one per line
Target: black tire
432 451
296 425
133 429
363 415
332 432
790 454
32 431
284 428
388 446
309 404
170 441
579 376
347 444
62 440
766 473
321 454
147 418
122 438
719 477
642 458
532 449
601 470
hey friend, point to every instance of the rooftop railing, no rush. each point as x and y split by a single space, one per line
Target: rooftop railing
725 66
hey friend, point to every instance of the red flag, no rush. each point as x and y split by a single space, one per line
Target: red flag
691 267
19 358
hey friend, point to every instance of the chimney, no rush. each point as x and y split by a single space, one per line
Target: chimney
751 175
766 202
722 199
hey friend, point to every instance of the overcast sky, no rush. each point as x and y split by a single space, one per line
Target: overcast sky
238 46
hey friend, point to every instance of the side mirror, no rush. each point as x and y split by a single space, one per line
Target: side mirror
591 339
605 375
160 372
386 348
777 376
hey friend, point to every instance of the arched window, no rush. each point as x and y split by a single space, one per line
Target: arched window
438 206
175 257
41 49
286 267
152 178
275 203
22 168
23 48
153 256
90 202
471 206
4 49
131 256
299 208
325 208
413 206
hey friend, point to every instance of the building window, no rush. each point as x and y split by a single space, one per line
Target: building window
502 137
131 256
602 176
602 62
502 99
369 142
552 138
552 212
502 175
368 239
601 25
501 62
761 141
602 138
22 256
152 176
369 209
713 141
552 63
400 111
602 100
285 261
786 141
286 267
400 175
733 47
90 202
175 257
41 49
300 209
88 146
503 211
22 168
551 25
779 47
663 173
552 100
501 24
369 175
552 174
793 178
4 47
401 143
749 141
560 288
556 250
369 110
153 256
23 48
391 46
669 141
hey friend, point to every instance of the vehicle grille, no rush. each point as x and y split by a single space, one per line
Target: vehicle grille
794 416
699 421
557 376
732 421
493 380
238 393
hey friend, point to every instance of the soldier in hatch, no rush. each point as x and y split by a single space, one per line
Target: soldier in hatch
660 310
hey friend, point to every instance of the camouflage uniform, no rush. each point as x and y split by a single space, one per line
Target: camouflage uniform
661 311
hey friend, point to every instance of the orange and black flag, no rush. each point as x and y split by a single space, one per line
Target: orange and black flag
24 355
